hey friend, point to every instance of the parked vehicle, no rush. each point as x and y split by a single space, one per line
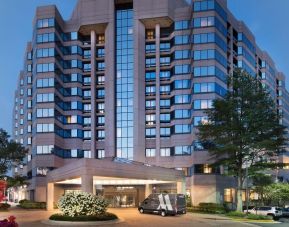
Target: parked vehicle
250 209
164 204
285 212
266 210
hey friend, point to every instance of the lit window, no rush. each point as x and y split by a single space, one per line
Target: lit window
150 152
165 152
100 153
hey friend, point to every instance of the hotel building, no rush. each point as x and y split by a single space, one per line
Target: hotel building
108 101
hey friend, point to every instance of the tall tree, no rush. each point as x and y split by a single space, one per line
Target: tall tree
243 129
276 194
11 153
260 182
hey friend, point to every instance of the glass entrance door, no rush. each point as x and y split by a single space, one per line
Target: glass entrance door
121 196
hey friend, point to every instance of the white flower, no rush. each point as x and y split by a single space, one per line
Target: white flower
82 203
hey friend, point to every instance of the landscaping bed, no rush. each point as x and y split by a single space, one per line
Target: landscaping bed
27 204
213 208
4 206
83 218
241 215
208 208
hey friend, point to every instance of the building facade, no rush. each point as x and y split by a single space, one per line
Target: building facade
128 81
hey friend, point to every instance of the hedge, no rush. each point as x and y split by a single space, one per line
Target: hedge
101 217
236 214
27 204
4 206
212 208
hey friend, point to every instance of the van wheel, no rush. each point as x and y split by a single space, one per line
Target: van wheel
163 213
141 210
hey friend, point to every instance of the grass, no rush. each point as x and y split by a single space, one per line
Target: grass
235 215
104 217
248 217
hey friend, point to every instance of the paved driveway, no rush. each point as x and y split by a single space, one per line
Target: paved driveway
131 218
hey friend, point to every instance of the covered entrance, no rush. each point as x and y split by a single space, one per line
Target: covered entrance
124 184
121 196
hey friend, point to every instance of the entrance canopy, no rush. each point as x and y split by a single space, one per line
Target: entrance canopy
97 180
107 168
111 171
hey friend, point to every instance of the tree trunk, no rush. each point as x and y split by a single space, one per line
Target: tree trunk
239 195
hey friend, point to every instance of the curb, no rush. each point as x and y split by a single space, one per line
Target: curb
84 223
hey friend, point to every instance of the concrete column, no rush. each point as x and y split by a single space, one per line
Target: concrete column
87 183
50 196
148 190
93 92
158 142
181 187
109 86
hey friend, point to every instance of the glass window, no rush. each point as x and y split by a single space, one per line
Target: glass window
182 128
182 150
165 152
165 132
203 104
182 54
150 132
181 25
100 153
150 104
150 152
165 103
182 114
165 75
181 39
200 120
182 99
150 119
165 117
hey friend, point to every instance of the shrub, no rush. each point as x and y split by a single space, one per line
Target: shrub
4 206
248 216
23 201
208 208
212 208
27 204
82 204
101 217
258 217
236 214
10 222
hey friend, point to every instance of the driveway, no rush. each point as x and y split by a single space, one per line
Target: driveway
133 218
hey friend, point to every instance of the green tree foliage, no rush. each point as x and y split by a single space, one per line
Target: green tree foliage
260 182
243 129
11 153
276 194
17 181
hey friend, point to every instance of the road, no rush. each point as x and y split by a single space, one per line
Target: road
132 218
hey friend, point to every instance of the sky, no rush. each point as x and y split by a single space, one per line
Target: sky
267 19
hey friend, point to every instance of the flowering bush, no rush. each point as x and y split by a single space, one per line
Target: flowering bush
8 223
81 203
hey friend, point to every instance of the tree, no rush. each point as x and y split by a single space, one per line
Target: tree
260 182
243 129
276 194
17 181
11 152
